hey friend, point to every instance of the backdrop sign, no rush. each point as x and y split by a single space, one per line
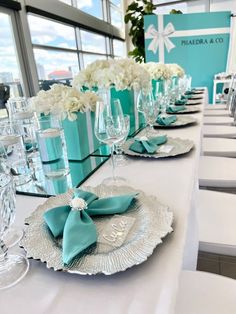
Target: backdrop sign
198 42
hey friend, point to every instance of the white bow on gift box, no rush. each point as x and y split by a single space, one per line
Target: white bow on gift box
156 37
161 37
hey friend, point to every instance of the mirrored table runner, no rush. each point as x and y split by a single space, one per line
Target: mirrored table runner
80 171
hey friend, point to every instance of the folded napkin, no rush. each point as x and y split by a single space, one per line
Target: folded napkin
173 109
189 92
74 223
166 120
181 102
145 145
186 97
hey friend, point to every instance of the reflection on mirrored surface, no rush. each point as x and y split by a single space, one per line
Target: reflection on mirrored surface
79 172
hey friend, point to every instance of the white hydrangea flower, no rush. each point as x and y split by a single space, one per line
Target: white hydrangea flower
176 69
64 100
78 203
121 73
158 70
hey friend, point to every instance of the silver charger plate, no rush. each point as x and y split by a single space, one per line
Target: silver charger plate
181 121
197 92
180 147
153 222
188 109
194 102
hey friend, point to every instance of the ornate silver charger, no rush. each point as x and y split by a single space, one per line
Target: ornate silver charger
181 121
152 222
194 102
188 109
179 147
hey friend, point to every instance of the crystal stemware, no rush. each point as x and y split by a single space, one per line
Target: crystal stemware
12 267
110 127
148 106
120 159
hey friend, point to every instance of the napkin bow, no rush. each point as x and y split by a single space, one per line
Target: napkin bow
147 145
174 109
166 120
74 221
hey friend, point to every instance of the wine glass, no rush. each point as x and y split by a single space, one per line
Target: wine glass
109 127
149 107
12 267
120 159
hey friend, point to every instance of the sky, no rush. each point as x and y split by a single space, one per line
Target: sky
49 33
8 60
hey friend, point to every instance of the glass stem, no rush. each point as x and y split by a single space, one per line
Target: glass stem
112 161
3 251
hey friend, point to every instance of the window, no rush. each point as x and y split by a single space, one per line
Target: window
50 33
56 47
93 42
119 48
55 51
10 73
92 7
61 50
165 9
116 13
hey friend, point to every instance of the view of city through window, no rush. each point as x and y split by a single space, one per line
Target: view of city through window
60 50
9 67
57 50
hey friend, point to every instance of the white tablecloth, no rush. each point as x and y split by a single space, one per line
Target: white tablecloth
148 288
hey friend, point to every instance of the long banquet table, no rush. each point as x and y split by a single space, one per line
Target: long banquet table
150 287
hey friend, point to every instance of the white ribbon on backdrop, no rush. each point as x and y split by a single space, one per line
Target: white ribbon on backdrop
161 38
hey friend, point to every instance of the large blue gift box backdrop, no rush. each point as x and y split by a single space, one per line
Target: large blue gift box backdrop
198 42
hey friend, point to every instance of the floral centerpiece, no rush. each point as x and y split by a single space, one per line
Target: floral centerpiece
121 78
64 100
159 73
76 109
177 72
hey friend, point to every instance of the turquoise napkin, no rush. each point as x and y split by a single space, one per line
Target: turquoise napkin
144 145
181 102
166 120
174 109
189 92
74 223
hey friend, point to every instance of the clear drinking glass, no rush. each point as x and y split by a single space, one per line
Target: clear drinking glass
148 106
12 267
52 146
12 154
110 126
18 108
120 159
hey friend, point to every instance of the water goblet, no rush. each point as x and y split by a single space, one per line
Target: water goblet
120 159
109 128
12 267
149 107
13 156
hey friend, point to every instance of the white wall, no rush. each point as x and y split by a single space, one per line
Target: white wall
223 5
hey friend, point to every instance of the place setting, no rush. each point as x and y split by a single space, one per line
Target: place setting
149 143
102 229
174 121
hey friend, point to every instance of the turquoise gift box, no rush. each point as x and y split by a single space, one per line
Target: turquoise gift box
128 100
198 42
79 136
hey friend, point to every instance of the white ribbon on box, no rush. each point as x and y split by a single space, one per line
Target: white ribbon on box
161 37
90 131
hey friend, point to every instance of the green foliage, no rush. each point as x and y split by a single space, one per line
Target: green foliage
134 14
173 11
